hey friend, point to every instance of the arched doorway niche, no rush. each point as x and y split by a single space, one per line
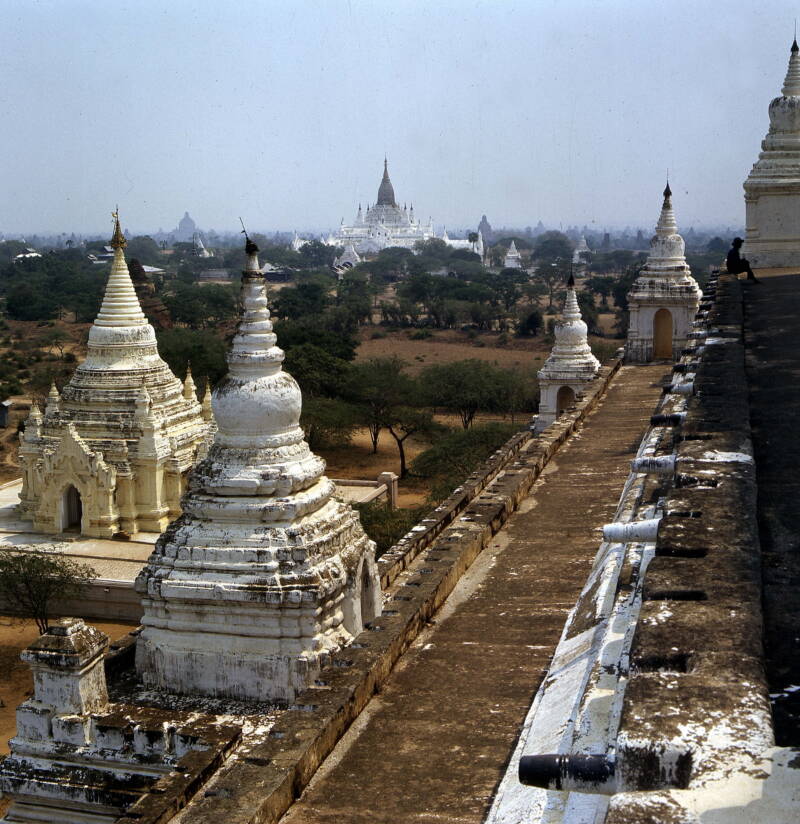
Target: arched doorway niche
71 509
564 399
662 334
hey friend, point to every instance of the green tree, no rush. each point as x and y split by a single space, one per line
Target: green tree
203 349
31 580
404 421
327 422
319 373
378 387
530 323
145 249
464 387
553 246
456 454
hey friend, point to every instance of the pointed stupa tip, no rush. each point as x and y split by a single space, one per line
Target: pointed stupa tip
795 48
571 282
251 250
118 240
667 192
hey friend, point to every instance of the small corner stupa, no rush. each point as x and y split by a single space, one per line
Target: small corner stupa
772 189
265 574
112 451
571 364
664 298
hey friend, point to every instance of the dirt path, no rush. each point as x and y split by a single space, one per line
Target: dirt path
433 745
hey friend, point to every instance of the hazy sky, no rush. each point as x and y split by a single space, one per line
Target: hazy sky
567 111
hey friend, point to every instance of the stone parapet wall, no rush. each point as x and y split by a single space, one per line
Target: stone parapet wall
259 782
697 693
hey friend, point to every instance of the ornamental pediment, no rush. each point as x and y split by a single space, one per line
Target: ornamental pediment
73 455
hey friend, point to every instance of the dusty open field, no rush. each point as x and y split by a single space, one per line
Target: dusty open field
16 683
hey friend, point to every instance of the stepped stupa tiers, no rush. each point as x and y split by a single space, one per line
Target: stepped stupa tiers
664 299
112 451
571 364
265 573
772 189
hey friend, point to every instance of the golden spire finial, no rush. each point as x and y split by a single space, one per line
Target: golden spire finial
118 240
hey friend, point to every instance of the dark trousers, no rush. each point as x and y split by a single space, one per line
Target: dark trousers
744 266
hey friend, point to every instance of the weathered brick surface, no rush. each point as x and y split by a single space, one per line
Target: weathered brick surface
697 687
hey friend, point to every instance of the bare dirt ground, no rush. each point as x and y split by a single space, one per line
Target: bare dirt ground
16 683
448 346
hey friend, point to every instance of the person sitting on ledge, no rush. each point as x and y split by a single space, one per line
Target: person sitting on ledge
736 263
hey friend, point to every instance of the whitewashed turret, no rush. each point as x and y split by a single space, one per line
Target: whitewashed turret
772 189
571 364
98 462
265 574
664 298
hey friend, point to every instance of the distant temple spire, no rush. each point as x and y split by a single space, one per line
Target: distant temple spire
386 190
118 240
791 85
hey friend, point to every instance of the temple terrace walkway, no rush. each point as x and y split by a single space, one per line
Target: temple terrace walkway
772 329
432 746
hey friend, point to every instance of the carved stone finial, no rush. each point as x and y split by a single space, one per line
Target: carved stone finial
118 240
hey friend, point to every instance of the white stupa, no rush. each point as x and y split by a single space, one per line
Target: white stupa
571 364
664 298
581 250
513 259
772 189
266 573
111 453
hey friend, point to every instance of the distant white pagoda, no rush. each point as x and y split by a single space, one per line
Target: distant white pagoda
772 189
513 259
266 573
384 224
664 298
571 364
581 252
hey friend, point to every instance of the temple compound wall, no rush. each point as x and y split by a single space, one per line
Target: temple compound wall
664 298
112 452
772 189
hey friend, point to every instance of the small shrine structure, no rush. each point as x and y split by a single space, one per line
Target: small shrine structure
571 364
664 298
111 452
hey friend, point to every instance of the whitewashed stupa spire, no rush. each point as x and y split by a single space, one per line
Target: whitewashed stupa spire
571 364
120 305
667 225
772 189
278 572
664 298
791 85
